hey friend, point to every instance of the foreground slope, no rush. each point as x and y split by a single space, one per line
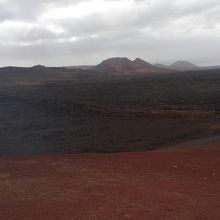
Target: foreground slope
177 185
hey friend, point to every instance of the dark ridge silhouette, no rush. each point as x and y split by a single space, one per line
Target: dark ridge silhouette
82 67
122 65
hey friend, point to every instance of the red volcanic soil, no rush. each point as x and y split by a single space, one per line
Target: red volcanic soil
156 185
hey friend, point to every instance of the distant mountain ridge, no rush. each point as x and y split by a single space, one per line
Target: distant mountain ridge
41 74
183 65
82 67
122 65
180 65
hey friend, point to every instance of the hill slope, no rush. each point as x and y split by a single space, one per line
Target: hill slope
122 65
183 66
154 185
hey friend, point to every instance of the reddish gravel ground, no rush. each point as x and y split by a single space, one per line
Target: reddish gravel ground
156 185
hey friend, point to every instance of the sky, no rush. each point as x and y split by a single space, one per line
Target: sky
76 32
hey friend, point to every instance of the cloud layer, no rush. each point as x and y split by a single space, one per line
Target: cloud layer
70 32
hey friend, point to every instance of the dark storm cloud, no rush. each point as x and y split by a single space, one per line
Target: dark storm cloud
69 32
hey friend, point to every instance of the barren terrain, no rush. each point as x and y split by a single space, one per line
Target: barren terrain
54 110
173 116
177 184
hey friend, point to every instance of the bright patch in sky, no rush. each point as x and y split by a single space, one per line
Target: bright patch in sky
86 8
71 32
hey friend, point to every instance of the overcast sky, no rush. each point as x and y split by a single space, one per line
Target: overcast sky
71 32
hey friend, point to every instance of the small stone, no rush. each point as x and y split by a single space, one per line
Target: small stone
127 216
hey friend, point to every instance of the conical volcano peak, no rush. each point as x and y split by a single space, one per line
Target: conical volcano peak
141 61
117 59
123 65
